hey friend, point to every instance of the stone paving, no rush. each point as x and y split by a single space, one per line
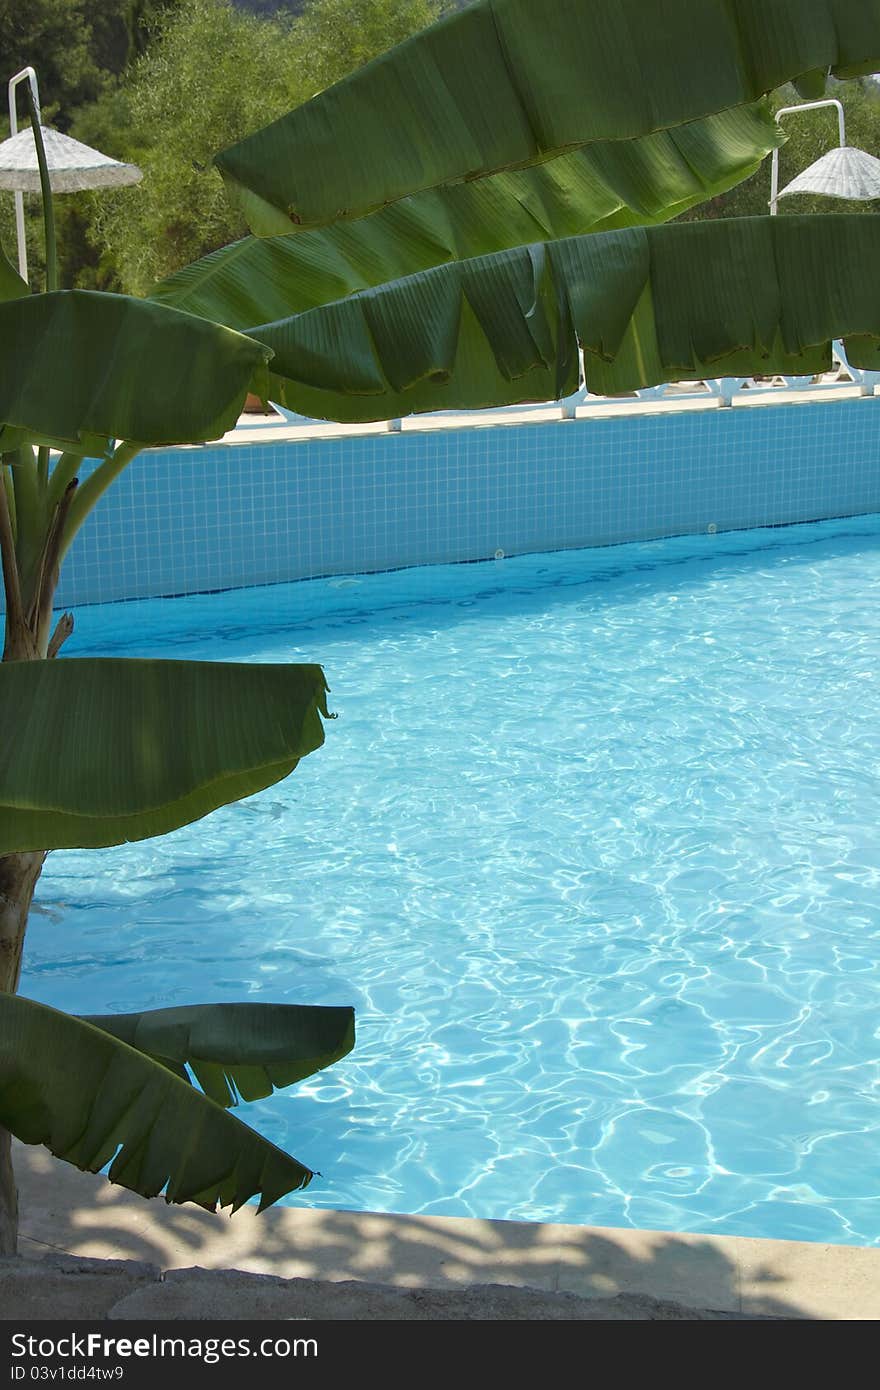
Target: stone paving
137 1259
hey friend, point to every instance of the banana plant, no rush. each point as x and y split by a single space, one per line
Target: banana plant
457 224
96 753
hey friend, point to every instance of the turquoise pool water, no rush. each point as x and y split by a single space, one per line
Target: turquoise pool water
594 849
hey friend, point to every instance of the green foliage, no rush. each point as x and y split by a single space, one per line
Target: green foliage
175 108
606 185
142 19
334 37
101 752
96 752
211 72
81 261
11 284
98 392
212 75
87 1087
73 44
91 1098
509 83
237 1051
79 49
646 305
76 46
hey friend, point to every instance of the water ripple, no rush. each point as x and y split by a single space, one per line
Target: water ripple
594 849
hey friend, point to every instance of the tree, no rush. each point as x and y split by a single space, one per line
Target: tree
391 275
56 28
335 37
173 110
77 44
141 19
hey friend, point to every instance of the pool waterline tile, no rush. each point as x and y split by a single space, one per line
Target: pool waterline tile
191 520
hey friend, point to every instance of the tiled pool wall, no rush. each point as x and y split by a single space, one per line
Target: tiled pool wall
196 519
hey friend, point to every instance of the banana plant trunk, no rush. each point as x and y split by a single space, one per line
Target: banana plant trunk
8 1198
27 639
18 878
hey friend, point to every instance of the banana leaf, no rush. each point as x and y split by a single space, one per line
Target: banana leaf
679 302
90 1098
504 84
79 369
101 751
607 185
237 1051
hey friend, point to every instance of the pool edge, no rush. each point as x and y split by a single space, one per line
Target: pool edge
80 1214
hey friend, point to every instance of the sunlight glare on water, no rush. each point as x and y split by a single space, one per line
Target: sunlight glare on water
594 849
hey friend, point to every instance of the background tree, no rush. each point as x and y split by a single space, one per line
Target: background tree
171 112
59 36
175 110
333 37
171 108
141 18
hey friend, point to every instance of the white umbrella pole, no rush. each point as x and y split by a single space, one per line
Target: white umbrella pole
787 111
31 76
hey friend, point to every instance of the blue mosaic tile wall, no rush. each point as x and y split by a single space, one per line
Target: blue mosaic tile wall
196 519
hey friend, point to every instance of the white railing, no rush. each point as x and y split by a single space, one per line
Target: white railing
724 390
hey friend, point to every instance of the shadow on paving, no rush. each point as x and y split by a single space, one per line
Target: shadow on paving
63 1210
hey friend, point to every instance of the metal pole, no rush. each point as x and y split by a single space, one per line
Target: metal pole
787 111
13 130
774 182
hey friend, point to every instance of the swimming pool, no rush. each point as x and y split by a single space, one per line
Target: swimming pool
594 849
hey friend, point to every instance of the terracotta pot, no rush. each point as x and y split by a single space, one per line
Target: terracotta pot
254 406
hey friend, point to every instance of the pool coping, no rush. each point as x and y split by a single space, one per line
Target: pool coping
67 1212
254 429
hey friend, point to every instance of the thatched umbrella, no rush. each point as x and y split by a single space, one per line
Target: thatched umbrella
844 172
72 165
841 173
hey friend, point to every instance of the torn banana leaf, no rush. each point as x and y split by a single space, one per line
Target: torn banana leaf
646 305
93 1100
237 1051
606 185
